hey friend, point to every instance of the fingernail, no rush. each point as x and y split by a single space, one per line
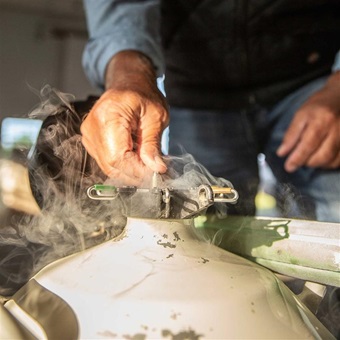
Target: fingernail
291 167
159 161
280 150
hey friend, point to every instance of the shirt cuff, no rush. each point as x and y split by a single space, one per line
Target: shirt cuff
336 65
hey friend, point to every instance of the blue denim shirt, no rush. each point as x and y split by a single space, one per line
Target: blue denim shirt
117 25
336 65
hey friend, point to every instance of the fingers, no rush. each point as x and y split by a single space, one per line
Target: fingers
122 133
308 141
311 140
149 137
292 136
107 136
323 155
335 164
153 160
123 166
327 154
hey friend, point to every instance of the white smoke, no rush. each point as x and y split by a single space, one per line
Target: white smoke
60 171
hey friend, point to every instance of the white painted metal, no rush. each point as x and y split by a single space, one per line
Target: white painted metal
159 280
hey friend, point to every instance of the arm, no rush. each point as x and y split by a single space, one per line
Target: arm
123 130
313 137
119 25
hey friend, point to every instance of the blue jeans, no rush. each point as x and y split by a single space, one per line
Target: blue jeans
227 143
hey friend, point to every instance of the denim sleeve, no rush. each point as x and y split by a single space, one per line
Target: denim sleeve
117 25
336 65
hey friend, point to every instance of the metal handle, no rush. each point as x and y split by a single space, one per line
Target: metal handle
102 192
222 194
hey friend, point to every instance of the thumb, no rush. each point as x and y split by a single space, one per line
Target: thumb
150 153
152 158
149 141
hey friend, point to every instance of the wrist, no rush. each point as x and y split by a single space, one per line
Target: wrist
129 70
334 79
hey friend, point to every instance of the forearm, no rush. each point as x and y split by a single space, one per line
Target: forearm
115 26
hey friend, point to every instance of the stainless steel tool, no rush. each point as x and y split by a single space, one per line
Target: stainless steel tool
163 202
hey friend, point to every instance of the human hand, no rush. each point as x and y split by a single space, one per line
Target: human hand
122 132
313 137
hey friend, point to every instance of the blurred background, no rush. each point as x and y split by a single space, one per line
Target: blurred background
41 43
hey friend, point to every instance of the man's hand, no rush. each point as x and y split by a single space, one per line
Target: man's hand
313 137
122 132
